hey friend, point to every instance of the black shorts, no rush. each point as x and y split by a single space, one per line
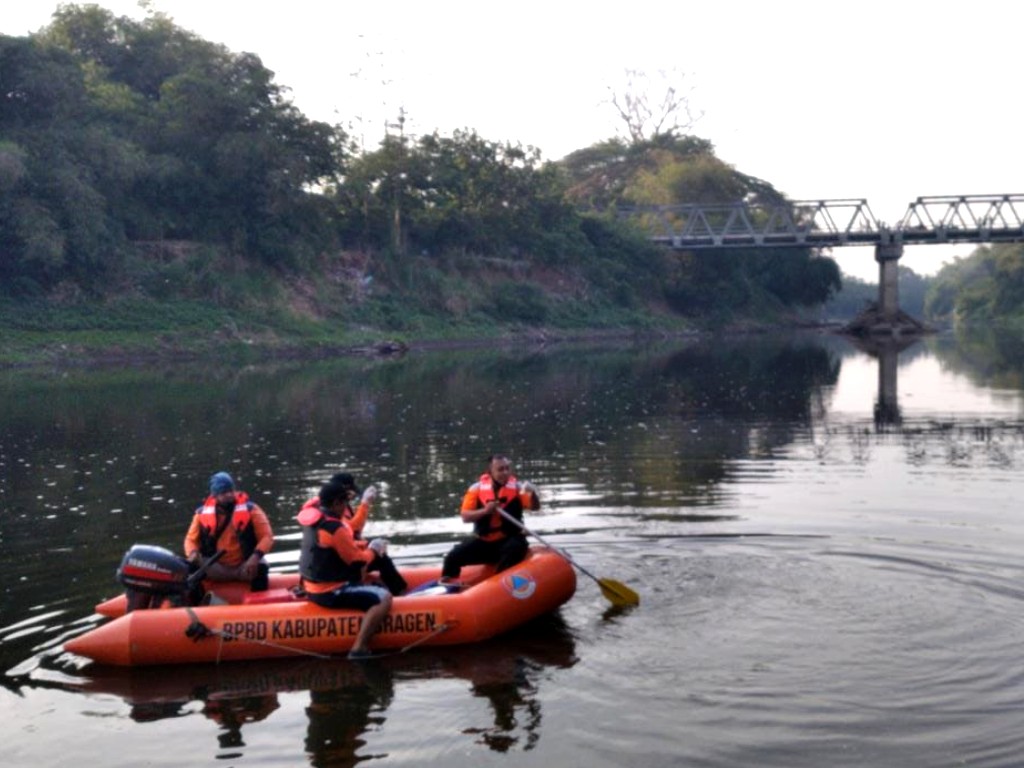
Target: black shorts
360 597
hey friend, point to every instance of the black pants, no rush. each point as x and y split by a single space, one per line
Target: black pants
260 581
389 574
504 553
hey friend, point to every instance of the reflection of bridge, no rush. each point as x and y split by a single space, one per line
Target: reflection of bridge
887 352
836 223
959 440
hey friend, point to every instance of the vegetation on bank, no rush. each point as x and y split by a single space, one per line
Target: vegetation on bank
983 289
159 194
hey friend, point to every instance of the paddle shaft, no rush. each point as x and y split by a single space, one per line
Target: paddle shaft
196 577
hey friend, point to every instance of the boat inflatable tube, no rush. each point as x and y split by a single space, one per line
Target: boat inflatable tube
279 622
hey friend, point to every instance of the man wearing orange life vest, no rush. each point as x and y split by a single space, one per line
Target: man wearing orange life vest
333 567
229 521
495 539
356 519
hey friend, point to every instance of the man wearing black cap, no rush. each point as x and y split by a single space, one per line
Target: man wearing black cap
355 517
333 566
228 521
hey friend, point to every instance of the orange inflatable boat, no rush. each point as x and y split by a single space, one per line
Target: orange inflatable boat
240 624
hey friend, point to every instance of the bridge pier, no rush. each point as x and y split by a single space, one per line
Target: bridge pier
885 318
888 257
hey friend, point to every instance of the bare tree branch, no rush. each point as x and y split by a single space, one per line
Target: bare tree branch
645 113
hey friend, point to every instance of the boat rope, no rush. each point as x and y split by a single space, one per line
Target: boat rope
425 638
199 631
441 629
225 635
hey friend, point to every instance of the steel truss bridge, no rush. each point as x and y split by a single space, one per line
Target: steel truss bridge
832 223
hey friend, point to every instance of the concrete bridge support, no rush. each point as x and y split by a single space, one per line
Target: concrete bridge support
885 318
888 257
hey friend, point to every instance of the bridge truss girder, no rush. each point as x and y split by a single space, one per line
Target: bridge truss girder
831 223
964 218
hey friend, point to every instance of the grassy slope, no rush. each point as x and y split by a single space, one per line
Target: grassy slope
188 310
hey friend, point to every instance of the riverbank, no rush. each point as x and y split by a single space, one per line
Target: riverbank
135 333
56 349
114 347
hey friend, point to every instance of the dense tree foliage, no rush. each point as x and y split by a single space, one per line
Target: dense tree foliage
117 131
119 137
668 170
460 193
985 287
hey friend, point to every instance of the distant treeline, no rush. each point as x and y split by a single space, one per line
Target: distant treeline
983 289
857 294
139 160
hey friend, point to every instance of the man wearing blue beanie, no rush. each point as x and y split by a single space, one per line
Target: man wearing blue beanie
228 521
221 483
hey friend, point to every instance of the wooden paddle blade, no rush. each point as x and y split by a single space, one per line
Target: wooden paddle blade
618 593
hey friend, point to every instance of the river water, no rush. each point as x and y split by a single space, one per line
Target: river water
827 542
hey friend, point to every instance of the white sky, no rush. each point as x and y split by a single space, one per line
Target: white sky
885 101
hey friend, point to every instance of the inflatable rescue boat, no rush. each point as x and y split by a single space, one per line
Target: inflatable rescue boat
153 624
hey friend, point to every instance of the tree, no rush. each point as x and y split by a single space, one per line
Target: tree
52 213
652 106
459 193
602 176
183 139
986 287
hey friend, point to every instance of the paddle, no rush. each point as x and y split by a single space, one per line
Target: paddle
615 591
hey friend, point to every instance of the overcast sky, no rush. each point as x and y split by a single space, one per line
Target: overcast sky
885 101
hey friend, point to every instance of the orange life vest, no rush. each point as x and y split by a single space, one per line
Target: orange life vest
494 526
324 564
241 523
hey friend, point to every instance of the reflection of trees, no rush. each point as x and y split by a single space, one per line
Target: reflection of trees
988 356
683 417
665 418
145 443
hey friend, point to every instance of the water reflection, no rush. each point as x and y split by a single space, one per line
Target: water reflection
340 715
798 515
347 701
990 357
886 350
94 461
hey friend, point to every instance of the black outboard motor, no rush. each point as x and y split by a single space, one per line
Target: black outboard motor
152 574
